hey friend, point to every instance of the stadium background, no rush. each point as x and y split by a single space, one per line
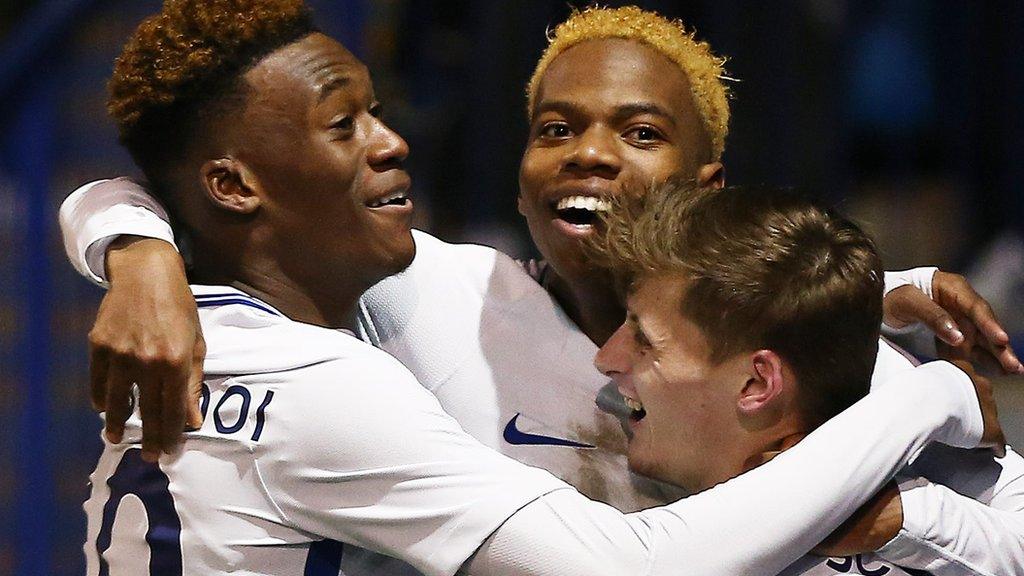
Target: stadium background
908 113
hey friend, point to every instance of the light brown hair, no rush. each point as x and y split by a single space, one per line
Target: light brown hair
765 269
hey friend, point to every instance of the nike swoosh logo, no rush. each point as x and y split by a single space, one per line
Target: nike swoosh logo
516 436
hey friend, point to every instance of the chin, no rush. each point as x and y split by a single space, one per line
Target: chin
402 255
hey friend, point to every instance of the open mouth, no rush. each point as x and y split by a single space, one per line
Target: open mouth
581 210
636 409
394 199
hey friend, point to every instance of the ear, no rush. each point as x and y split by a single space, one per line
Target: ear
230 185
519 204
711 175
766 382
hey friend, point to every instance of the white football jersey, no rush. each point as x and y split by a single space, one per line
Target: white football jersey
303 455
503 359
517 374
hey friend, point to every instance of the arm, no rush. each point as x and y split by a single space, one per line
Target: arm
147 328
964 325
756 523
971 523
96 214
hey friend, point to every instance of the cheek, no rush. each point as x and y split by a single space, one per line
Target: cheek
658 166
533 170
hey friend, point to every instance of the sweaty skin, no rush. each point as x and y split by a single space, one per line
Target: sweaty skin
609 114
601 145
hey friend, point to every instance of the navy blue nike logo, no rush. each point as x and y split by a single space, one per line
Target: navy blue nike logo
516 436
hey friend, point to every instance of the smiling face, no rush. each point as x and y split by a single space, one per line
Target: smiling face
609 113
329 171
684 428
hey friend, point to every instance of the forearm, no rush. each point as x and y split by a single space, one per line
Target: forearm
757 523
946 533
97 213
964 512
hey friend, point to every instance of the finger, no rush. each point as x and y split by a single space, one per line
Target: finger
935 317
986 362
1003 355
195 385
149 410
981 314
173 389
1000 449
99 364
118 401
993 337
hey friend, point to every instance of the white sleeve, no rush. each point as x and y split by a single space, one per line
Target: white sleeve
359 452
97 213
757 523
973 523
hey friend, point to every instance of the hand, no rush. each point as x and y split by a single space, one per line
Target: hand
992 437
147 333
963 322
875 523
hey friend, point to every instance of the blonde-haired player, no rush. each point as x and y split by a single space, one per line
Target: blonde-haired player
509 363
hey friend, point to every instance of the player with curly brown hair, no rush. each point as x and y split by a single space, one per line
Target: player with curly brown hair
265 139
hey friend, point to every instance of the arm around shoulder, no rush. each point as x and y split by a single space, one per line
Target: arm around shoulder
97 213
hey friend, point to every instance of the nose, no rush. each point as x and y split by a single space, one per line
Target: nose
616 355
387 149
595 153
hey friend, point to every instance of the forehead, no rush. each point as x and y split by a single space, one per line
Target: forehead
655 304
307 69
612 71
656 298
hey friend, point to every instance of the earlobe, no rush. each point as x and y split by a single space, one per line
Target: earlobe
711 175
519 204
230 186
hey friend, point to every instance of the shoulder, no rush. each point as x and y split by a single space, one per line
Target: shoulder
432 251
245 335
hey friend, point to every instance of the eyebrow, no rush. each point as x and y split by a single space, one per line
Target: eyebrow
335 83
622 111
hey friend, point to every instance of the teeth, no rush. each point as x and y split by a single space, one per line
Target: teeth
634 405
590 203
384 200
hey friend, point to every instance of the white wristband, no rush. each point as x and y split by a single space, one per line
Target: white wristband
920 278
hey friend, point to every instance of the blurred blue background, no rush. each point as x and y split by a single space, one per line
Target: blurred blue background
908 113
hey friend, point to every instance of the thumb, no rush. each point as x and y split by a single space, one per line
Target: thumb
907 305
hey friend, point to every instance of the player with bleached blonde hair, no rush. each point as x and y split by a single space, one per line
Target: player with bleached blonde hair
508 355
704 69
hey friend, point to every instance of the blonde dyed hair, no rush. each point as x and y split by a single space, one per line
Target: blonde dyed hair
703 69
764 269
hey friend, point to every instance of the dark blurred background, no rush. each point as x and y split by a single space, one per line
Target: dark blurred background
907 113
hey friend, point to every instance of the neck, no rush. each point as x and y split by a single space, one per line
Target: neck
593 305
332 304
766 450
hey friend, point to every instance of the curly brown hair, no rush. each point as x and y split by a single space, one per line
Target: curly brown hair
188 57
704 70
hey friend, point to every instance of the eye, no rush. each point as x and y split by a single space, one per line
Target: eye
556 130
641 341
377 110
644 135
345 123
